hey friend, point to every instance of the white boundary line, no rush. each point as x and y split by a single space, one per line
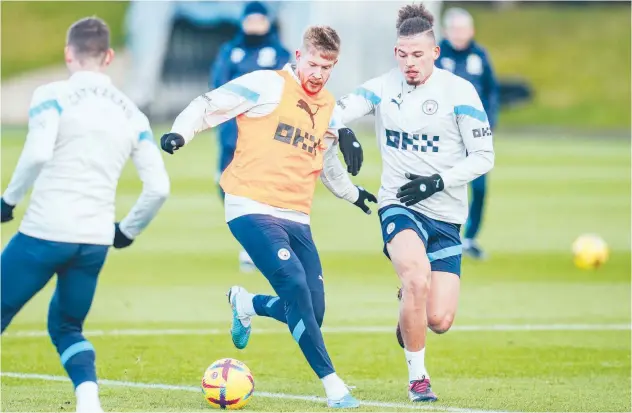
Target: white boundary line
334 330
157 386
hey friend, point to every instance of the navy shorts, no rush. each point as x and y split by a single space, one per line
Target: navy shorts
441 239
280 248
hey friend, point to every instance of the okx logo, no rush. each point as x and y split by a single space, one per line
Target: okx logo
296 137
412 142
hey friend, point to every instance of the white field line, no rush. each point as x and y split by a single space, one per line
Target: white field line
267 395
334 330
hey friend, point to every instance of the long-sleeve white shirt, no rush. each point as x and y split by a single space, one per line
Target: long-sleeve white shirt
81 133
257 94
439 127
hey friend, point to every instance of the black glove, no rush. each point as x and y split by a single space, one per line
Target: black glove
7 211
362 198
351 150
419 188
120 239
171 142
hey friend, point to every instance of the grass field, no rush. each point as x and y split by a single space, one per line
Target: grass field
532 333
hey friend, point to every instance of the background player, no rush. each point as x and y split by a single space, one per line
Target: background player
81 133
434 138
256 47
463 56
286 140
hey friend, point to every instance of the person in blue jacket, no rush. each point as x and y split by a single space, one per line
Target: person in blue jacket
464 57
256 47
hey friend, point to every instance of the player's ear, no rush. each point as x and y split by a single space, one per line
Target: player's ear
109 56
68 58
298 55
436 52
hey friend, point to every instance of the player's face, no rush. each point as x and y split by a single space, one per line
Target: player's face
460 33
313 69
416 56
256 24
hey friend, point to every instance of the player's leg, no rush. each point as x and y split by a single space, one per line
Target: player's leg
76 285
27 264
444 253
405 236
272 306
267 241
475 218
303 245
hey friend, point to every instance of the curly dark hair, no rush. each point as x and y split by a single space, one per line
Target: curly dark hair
414 19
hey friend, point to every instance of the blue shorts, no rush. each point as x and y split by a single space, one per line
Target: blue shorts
441 239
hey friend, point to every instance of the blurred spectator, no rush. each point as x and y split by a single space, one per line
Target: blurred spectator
464 57
149 25
255 47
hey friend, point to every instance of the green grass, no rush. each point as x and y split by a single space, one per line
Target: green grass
34 32
543 193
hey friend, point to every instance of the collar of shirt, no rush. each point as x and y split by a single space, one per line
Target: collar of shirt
289 67
85 75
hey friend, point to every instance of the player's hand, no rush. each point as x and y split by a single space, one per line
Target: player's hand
351 150
363 197
121 240
7 211
171 142
419 188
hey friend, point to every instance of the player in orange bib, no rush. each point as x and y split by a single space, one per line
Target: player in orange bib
288 137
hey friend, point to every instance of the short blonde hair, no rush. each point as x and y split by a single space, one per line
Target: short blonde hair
322 38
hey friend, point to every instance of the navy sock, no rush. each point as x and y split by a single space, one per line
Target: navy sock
78 358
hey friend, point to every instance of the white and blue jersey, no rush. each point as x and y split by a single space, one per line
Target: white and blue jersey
438 127
81 133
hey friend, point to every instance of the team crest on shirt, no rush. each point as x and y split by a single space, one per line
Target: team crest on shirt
430 107
267 57
390 228
284 254
447 63
474 64
237 55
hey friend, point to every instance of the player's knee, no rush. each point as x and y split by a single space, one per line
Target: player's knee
440 323
319 311
415 276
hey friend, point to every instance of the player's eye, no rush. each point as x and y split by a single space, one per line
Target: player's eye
419 54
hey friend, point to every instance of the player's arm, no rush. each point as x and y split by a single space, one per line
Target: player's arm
335 178
349 146
476 133
363 101
151 170
212 108
44 115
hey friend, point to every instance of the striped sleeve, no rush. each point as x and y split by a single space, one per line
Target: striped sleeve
228 101
44 116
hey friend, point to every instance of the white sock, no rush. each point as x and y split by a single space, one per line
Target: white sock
88 396
416 366
335 388
245 302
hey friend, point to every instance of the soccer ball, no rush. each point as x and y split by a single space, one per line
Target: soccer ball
590 251
228 384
